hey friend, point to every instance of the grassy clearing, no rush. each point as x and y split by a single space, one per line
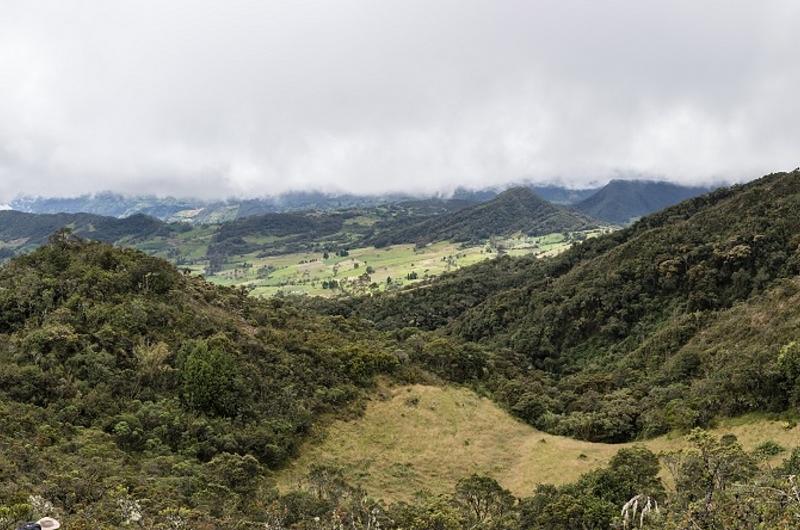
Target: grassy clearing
418 438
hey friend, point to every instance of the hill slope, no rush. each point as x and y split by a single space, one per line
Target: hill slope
514 210
19 230
623 201
389 450
605 342
117 371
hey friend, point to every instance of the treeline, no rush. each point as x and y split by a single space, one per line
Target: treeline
283 233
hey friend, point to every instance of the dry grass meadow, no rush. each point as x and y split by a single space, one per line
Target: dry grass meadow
419 438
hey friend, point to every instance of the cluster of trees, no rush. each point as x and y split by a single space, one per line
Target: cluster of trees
330 284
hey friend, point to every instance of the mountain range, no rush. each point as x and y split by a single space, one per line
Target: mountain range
618 202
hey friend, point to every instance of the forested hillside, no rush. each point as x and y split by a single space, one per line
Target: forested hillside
660 326
118 371
514 210
24 231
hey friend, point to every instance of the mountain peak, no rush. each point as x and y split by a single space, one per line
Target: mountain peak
622 201
519 193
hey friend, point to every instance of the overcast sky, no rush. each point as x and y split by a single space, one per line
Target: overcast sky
219 98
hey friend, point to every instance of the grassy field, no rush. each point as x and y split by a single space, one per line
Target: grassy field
368 269
416 438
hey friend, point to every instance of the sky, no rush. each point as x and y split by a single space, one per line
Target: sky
250 98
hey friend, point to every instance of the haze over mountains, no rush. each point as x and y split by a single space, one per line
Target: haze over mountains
297 219
629 198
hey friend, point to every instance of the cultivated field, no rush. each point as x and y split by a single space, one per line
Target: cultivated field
370 269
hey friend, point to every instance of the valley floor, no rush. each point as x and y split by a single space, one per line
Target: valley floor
425 438
369 269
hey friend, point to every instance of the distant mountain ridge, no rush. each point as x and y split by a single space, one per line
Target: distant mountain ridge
624 201
20 231
269 233
555 193
106 204
515 210
198 211
560 194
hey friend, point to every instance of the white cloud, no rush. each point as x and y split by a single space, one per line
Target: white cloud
250 97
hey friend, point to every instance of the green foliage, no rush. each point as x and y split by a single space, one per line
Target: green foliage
657 327
211 381
484 503
789 365
117 371
594 501
131 393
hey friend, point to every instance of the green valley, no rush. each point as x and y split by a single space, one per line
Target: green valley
368 269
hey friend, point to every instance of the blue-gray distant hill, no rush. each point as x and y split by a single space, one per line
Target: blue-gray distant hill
197 211
624 201
549 192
